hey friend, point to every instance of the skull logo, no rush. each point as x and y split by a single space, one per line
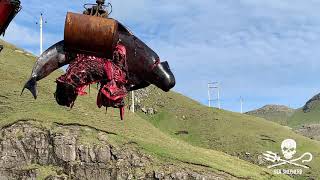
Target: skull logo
288 148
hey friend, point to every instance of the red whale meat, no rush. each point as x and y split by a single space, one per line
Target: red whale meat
85 70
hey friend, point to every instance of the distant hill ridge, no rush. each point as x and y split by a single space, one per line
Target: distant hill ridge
272 108
304 120
276 113
312 103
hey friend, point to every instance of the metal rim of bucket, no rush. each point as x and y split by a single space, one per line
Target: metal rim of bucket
17 5
103 6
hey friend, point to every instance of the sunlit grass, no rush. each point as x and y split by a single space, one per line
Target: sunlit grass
15 69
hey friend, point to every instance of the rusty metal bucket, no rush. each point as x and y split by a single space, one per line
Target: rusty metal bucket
90 34
8 10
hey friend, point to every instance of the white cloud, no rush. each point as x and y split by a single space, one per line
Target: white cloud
27 37
18 34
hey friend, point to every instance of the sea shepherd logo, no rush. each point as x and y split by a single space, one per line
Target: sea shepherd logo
289 149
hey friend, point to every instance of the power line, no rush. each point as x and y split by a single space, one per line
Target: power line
241 105
211 86
41 21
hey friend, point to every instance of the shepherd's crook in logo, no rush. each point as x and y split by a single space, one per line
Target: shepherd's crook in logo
288 148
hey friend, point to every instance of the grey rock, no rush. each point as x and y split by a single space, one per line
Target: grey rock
310 130
144 110
25 143
150 111
103 154
65 147
313 102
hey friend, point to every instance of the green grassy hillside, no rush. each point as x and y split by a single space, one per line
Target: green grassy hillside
309 114
239 135
300 117
274 113
304 121
15 69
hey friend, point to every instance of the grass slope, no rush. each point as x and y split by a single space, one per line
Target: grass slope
292 118
274 113
300 118
240 135
15 69
307 115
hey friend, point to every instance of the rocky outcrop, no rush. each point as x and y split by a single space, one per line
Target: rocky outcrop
310 130
140 96
313 102
30 150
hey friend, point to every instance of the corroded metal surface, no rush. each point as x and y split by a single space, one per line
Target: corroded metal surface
90 35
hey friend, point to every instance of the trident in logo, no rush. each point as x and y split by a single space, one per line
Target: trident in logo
288 148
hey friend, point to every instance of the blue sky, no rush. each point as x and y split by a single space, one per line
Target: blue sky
265 51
